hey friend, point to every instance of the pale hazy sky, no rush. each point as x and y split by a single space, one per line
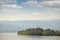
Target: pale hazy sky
14 10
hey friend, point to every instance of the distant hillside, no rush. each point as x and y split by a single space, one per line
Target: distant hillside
7 27
20 25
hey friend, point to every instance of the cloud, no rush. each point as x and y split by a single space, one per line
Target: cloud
14 6
53 4
33 3
33 16
9 4
51 0
45 3
50 4
9 10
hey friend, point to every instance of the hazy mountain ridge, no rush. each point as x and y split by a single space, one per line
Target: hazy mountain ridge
18 25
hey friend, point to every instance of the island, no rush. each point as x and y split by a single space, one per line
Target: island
39 32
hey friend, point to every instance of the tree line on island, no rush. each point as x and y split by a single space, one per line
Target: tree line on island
39 32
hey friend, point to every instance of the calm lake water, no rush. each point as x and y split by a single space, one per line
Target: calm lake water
14 36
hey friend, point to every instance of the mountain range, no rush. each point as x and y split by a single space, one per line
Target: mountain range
13 26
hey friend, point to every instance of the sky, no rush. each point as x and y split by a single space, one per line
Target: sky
20 10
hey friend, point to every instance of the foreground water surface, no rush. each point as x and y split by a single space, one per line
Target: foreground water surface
14 36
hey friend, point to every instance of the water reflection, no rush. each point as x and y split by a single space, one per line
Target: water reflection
14 36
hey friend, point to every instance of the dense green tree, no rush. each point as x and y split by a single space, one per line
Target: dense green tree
57 33
39 31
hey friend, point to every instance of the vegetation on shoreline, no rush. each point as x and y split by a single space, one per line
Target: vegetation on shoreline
39 32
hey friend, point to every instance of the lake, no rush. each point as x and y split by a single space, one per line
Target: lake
14 36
